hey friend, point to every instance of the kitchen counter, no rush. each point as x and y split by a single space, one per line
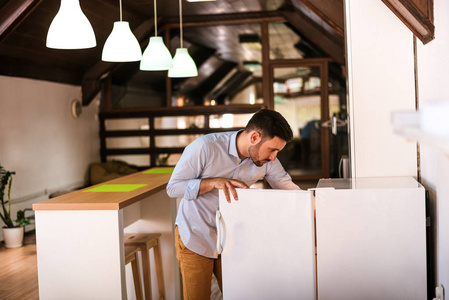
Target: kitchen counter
80 237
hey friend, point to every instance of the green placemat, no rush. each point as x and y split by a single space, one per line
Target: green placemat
116 188
158 171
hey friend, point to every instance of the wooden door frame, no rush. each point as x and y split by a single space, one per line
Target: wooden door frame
322 63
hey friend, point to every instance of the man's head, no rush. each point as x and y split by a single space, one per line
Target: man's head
270 123
268 132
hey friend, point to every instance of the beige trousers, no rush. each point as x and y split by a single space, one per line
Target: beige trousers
196 271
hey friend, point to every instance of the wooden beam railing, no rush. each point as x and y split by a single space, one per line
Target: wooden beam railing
152 149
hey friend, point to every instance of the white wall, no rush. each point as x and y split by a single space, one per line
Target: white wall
40 140
380 80
380 74
433 66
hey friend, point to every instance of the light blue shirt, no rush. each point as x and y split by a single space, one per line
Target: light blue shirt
213 155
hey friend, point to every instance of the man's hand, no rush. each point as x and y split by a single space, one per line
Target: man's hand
223 184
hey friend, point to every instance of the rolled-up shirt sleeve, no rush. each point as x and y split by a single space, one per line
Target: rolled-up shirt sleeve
193 186
185 180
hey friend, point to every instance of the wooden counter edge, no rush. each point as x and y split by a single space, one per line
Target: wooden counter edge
72 205
75 206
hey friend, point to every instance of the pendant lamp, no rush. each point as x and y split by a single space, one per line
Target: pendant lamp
121 45
70 29
156 57
183 64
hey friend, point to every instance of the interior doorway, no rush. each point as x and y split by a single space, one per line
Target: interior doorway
311 95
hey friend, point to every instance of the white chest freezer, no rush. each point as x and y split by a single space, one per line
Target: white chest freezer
268 243
371 239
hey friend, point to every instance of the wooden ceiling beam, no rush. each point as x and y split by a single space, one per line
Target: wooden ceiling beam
181 111
223 19
329 15
13 13
416 15
333 47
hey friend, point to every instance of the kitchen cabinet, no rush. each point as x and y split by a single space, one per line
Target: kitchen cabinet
80 237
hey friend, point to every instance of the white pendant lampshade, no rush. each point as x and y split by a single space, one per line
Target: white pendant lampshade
156 57
183 64
70 29
121 45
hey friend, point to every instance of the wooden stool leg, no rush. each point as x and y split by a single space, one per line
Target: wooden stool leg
136 276
146 241
146 272
159 272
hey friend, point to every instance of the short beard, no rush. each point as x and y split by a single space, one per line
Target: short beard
258 163
253 154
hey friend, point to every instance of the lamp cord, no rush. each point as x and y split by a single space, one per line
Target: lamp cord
120 10
155 18
180 20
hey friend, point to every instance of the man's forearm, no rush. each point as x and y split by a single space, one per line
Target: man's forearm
206 185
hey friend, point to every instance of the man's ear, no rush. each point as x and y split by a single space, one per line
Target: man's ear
255 137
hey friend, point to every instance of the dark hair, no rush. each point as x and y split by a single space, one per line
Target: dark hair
270 123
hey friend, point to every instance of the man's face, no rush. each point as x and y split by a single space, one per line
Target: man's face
266 150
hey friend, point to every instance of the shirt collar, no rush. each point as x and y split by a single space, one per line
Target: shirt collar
233 144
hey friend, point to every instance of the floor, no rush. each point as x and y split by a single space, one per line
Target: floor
18 277
215 290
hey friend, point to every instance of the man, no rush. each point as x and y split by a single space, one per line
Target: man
224 161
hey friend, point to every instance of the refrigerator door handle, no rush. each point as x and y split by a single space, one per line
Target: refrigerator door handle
217 221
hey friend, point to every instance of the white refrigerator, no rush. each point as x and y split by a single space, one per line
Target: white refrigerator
371 239
267 239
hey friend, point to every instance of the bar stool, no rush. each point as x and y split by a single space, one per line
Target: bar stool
132 257
146 241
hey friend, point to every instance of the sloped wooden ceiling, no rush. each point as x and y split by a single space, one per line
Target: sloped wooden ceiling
24 25
321 22
417 15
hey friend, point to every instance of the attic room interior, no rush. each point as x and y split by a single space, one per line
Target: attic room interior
352 79
238 51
